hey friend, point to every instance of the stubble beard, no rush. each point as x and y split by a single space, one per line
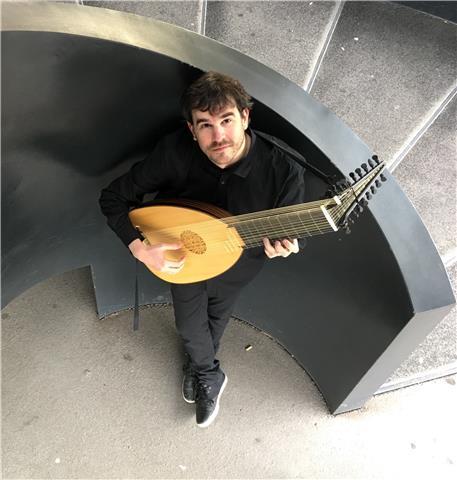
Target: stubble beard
239 152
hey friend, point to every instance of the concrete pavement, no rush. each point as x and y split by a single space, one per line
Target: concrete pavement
84 398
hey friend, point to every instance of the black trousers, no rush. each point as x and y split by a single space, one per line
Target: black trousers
202 312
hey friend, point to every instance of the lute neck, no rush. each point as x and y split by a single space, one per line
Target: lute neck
296 221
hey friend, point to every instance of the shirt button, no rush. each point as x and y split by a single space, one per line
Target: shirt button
222 180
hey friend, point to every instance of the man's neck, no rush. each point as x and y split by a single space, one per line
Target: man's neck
246 147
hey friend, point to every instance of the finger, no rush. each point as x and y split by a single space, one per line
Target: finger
269 249
175 263
279 249
295 244
170 246
291 246
287 246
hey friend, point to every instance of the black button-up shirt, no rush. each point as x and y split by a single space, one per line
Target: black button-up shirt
176 168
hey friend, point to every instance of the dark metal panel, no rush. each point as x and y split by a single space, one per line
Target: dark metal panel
445 10
81 104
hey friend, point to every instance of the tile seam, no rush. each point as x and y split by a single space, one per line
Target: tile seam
339 5
419 132
203 12
450 258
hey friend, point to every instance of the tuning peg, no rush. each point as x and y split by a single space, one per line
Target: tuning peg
364 202
347 230
373 190
352 175
365 167
371 163
383 178
340 186
377 183
368 195
359 172
376 159
359 208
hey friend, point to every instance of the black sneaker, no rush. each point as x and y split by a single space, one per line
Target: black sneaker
189 384
207 409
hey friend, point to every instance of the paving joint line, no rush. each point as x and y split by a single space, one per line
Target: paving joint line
336 17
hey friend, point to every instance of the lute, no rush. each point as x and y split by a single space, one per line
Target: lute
213 240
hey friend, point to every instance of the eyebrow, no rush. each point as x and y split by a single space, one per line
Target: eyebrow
205 120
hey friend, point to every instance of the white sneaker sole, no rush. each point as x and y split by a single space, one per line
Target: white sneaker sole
182 391
211 418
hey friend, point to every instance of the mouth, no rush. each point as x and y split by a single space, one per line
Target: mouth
219 149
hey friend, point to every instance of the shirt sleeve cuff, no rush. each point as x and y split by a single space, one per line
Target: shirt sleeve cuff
128 234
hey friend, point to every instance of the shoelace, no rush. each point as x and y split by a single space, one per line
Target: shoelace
202 394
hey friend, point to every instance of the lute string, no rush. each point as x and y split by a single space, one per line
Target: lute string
248 230
256 220
250 241
209 225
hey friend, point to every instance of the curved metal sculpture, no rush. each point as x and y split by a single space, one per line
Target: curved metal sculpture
85 93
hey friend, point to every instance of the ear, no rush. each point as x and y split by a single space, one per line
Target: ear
245 117
191 128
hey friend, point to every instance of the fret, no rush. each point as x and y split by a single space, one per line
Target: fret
243 232
305 224
305 221
256 224
282 226
269 224
249 233
315 223
278 228
296 224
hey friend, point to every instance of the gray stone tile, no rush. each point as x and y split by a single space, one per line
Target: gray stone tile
386 69
428 175
439 349
83 398
186 14
286 36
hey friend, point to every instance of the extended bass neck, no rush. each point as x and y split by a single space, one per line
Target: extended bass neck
311 218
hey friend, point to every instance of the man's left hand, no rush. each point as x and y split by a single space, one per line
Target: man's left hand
281 248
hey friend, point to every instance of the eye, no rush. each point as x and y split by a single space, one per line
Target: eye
227 120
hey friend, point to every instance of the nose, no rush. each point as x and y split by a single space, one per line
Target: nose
218 134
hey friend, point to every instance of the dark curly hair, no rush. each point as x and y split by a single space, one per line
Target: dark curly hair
213 91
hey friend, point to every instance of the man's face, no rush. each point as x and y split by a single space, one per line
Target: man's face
221 136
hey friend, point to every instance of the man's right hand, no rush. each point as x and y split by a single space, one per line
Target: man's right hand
154 255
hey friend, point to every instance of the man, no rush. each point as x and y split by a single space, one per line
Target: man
217 159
